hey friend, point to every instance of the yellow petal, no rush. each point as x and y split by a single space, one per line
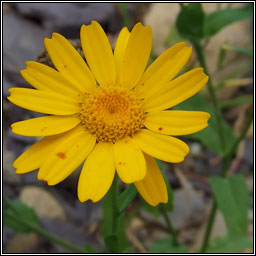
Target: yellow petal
98 53
45 126
175 122
67 156
34 156
177 90
43 101
70 63
163 70
97 173
45 78
165 148
152 188
119 52
129 160
136 55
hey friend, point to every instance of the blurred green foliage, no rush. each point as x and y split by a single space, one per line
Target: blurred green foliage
16 214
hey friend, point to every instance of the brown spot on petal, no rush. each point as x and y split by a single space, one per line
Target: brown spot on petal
160 128
65 65
43 129
61 155
142 84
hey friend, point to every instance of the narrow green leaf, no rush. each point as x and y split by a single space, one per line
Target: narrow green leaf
166 246
219 19
236 101
221 58
242 50
112 243
21 211
107 215
230 244
209 137
232 199
122 239
190 21
126 197
113 222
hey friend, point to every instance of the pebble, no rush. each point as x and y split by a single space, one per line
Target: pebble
42 202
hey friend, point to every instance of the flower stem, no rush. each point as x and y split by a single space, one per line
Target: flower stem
115 210
209 227
39 230
169 225
201 59
214 208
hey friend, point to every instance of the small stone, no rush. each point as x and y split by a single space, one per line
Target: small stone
42 202
22 42
9 175
195 149
66 18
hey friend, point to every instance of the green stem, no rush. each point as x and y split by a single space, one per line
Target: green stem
115 209
169 225
39 230
125 15
210 87
209 227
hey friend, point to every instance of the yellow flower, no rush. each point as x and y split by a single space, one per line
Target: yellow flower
111 114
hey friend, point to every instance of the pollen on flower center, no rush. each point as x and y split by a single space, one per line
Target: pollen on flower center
111 113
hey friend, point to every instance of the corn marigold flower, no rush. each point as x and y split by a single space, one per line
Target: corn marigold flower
108 111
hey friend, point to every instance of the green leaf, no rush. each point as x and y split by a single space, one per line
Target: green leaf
19 211
229 244
209 137
190 21
219 19
233 200
166 246
242 197
126 197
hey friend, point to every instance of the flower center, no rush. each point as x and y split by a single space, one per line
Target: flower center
111 113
